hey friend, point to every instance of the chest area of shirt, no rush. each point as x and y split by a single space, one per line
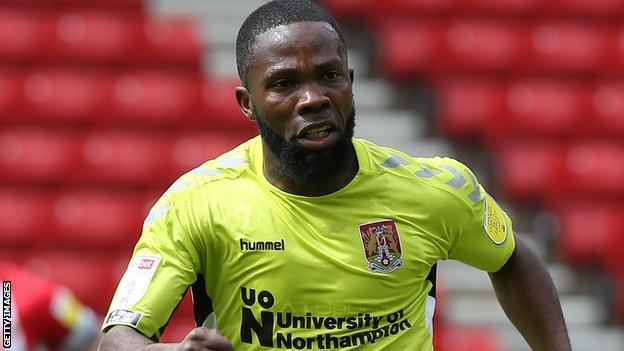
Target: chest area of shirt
287 237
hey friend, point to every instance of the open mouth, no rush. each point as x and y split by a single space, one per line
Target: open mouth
319 136
317 133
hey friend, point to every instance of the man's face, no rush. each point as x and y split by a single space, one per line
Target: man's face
301 97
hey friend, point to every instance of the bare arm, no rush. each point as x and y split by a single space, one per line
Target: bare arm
122 338
528 297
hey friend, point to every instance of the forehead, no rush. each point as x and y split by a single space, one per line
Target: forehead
296 41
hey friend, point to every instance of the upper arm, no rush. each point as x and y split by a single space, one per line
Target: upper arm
485 236
165 263
522 257
479 232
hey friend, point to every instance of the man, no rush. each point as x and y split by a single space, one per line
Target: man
45 316
305 238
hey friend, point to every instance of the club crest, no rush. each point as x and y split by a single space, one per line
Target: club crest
382 246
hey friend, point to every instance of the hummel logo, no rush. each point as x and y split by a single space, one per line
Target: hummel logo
262 245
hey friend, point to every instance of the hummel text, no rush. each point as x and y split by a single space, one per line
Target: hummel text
262 245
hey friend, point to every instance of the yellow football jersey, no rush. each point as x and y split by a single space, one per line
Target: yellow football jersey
349 270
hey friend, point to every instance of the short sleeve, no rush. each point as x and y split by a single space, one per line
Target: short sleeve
164 264
481 232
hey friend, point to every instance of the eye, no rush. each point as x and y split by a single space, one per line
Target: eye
281 84
331 75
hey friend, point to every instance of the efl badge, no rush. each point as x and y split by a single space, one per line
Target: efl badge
382 246
494 221
135 281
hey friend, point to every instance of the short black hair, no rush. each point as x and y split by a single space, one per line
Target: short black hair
278 13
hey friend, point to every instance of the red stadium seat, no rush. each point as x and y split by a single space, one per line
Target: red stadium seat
25 216
407 50
23 34
530 169
91 275
90 36
96 219
570 47
123 157
595 169
177 328
171 40
343 9
388 11
617 50
485 45
466 105
64 95
37 156
181 322
592 233
607 103
154 97
220 109
542 107
98 36
587 8
10 94
117 5
514 7
469 339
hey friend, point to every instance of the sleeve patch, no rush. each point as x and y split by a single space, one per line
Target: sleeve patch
123 317
494 221
135 281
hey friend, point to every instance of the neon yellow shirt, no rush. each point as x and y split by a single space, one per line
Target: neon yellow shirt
347 270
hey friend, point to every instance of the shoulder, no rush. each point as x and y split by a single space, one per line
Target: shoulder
451 177
440 178
213 175
212 180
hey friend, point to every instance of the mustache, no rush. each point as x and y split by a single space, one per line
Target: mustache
302 165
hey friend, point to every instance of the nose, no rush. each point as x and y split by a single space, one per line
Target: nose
312 99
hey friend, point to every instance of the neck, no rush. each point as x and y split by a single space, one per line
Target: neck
313 187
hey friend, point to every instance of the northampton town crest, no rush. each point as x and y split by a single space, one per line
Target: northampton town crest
382 246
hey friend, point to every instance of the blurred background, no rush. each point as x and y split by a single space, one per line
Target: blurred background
104 103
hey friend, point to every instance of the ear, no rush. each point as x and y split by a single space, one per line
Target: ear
243 97
351 75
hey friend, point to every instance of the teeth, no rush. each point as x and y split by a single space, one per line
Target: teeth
316 134
317 130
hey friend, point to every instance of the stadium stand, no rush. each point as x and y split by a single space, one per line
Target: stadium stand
605 222
103 104
540 180
37 156
154 96
57 96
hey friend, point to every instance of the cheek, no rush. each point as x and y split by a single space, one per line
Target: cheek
276 110
280 106
276 102
344 100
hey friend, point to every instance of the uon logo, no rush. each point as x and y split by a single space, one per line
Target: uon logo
146 263
382 246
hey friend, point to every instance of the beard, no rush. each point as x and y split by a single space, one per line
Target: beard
300 165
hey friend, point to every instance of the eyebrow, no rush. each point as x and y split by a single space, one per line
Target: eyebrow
285 71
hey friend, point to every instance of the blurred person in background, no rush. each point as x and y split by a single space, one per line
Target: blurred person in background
307 238
46 316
